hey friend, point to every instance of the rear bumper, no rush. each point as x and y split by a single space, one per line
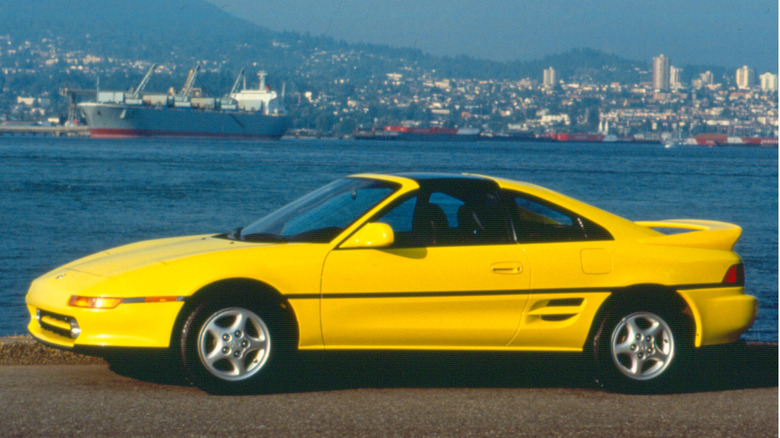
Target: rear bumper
721 314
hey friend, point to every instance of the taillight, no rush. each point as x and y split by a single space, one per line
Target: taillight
735 275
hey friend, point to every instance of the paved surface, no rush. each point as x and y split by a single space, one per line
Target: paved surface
394 395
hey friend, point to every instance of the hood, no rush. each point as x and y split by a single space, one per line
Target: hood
143 254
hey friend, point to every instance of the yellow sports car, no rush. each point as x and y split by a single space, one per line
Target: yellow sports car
410 262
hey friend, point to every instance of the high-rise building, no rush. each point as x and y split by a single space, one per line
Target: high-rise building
675 77
550 77
768 82
746 78
661 72
707 78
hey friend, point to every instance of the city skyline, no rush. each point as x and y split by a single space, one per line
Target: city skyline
336 88
715 32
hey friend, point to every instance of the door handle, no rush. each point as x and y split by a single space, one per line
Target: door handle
507 268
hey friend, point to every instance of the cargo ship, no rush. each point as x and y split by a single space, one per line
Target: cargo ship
424 134
730 140
581 137
242 113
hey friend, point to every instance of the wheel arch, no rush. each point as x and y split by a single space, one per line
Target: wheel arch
653 295
239 288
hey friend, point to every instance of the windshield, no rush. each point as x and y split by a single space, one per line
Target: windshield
321 215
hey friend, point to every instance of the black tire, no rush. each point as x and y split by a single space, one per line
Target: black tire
233 346
641 349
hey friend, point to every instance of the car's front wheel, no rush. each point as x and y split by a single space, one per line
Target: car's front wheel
640 349
231 348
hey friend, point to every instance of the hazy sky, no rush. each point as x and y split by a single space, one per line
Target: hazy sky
728 33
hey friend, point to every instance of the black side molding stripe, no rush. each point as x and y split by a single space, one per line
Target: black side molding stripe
427 294
486 293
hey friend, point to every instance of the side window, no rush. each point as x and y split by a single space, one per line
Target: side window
533 212
449 206
448 219
413 223
400 217
538 222
483 220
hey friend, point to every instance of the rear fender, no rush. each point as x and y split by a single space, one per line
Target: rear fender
652 294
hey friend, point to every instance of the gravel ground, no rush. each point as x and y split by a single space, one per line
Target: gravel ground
93 401
24 350
732 393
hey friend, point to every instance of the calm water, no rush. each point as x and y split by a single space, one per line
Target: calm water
64 198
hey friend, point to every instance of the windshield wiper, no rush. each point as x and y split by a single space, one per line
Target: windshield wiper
236 234
263 237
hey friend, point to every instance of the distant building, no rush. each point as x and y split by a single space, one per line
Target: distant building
675 77
394 78
768 82
443 84
550 77
527 83
706 78
746 78
661 71
30 101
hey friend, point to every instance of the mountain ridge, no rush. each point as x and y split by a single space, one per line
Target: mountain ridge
190 30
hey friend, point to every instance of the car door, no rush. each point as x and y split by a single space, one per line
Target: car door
454 277
571 258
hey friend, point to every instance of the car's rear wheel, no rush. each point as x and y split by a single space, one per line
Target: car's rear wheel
231 348
640 349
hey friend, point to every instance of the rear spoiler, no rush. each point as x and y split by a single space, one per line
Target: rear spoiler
702 234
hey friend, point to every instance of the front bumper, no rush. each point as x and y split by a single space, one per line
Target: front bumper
146 325
721 314
136 322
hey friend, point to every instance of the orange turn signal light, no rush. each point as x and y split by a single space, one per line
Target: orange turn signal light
160 299
94 302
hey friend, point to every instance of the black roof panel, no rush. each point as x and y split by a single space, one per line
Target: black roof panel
453 181
427 176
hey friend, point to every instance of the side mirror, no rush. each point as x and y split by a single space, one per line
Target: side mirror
372 235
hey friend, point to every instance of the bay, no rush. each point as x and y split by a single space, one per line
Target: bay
63 198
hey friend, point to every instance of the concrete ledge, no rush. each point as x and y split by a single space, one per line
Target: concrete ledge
24 350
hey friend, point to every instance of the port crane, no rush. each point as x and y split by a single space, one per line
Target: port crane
136 94
234 90
185 93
